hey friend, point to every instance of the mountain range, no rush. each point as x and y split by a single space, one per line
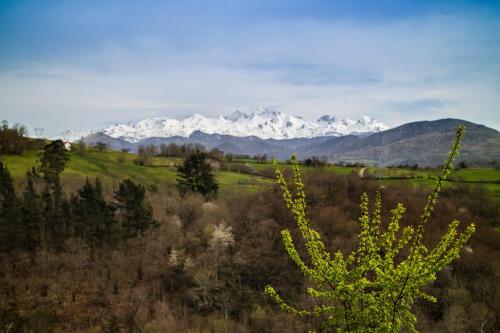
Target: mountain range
424 142
268 131
264 123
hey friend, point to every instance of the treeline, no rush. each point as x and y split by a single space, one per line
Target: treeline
146 152
46 219
13 139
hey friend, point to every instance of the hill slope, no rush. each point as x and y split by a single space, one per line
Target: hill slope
423 142
112 167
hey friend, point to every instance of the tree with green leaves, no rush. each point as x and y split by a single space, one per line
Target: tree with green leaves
196 175
373 288
134 212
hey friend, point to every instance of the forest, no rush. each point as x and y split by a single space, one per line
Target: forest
193 252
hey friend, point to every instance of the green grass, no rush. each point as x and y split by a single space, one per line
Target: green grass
229 179
492 188
284 166
465 175
112 167
476 174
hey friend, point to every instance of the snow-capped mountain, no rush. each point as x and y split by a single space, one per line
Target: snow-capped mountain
72 136
265 123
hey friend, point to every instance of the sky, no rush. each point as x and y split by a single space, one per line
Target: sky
84 64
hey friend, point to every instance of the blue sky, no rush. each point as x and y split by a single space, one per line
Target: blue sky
86 64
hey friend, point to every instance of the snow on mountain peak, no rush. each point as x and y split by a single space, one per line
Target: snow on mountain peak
265 123
238 115
326 119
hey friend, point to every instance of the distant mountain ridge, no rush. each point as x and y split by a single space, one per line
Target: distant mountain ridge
264 123
422 142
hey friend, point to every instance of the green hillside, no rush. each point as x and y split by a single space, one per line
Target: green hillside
160 173
487 178
112 166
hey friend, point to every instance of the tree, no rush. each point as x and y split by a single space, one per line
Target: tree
81 147
10 213
31 214
144 153
53 161
112 325
261 158
216 154
100 146
12 140
135 213
52 164
196 175
94 217
373 288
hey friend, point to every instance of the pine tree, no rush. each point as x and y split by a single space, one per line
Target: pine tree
31 214
53 161
94 217
196 175
372 289
52 164
11 229
135 213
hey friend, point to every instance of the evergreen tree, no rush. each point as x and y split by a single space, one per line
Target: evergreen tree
55 212
31 214
10 213
135 213
94 217
196 175
372 289
53 161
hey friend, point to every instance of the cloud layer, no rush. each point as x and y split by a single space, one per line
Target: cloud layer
82 64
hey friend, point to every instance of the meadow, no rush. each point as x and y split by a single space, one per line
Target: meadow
238 174
112 167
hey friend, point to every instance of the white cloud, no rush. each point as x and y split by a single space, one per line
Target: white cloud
307 67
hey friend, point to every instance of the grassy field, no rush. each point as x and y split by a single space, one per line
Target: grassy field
112 167
488 178
259 166
466 175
